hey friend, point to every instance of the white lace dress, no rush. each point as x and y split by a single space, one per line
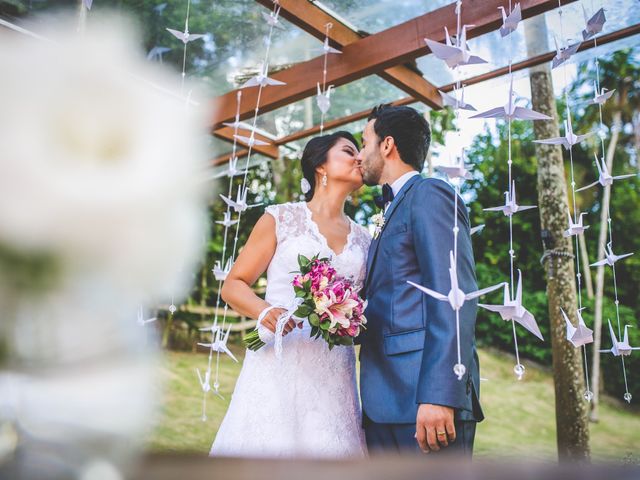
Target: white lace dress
306 403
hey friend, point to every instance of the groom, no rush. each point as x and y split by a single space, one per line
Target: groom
411 398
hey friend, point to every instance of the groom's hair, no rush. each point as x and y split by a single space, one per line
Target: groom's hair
409 129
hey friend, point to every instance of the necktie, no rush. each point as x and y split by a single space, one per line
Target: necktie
386 197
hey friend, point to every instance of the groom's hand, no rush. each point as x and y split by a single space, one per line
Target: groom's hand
431 422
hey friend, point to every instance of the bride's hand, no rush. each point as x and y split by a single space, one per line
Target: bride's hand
270 320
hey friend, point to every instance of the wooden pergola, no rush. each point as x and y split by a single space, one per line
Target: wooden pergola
387 54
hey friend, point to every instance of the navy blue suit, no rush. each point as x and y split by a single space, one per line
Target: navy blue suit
408 350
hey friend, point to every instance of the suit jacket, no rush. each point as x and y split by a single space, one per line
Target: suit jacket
409 348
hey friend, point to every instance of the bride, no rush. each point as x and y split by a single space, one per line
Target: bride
305 403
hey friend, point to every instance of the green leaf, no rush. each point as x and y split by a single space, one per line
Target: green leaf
314 320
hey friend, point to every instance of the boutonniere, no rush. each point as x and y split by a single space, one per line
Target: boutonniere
378 221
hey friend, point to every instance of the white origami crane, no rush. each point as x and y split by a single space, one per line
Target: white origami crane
580 335
211 328
227 222
273 19
510 205
326 48
220 343
240 205
454 54
185 36
603 96
510 22
477 229
594 24
251 140
88 3
513 309
458 168
141 320
205 383
620 348
452 101
456 297
261 80
575 228
604 177
156 53
220 273
569 138
232 169
610 258
324 98
563 53
510 111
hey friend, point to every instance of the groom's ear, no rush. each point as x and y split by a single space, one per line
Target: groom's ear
387 145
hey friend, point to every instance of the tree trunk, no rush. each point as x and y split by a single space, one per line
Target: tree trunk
586 269
572 427
602 241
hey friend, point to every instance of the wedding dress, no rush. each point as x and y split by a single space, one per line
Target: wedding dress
305 403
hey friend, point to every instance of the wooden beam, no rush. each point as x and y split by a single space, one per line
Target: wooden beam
528 63
271 150
369 55
312 19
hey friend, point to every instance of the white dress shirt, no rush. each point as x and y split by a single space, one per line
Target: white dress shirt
399 183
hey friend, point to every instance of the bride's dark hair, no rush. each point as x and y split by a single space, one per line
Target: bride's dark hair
315 154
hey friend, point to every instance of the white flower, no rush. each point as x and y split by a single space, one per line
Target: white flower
98 167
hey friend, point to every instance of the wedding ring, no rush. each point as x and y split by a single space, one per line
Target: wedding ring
440 434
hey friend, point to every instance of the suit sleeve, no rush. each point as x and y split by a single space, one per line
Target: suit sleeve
432 216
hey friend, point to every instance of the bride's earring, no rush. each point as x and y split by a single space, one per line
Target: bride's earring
324 180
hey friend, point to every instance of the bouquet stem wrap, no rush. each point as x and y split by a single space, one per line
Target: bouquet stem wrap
266 336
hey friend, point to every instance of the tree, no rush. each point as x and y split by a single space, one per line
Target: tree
572 429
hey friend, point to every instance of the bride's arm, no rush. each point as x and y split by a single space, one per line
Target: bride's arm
252 262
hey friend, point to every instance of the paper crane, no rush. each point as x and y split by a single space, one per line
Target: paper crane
620 348
220 343
563 53
594 24
232 169
262 79
603 96
510 205
240 205
458 169
205 383
251 140
575 228
456 297
220 273
580 335
569 138
512 112
324 98
141 320
156 53
610 258
211 328
454 53
326 48
604 177
227 222
87 4
273 19
510 22
513 309
452 101
477 229
185 36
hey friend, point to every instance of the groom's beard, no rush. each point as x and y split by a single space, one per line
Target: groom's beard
371 175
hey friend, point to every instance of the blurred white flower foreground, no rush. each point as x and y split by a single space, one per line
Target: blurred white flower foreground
101 210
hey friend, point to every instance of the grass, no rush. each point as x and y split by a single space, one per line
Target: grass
520 416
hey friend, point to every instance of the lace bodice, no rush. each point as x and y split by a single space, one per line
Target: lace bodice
297 233
304 404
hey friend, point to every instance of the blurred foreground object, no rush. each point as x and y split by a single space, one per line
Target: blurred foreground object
101 211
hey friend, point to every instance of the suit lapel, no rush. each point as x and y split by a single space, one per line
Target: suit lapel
373 249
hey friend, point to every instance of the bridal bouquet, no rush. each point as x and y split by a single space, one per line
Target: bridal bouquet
330 303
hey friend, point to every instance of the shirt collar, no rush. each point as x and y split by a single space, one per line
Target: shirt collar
400 181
